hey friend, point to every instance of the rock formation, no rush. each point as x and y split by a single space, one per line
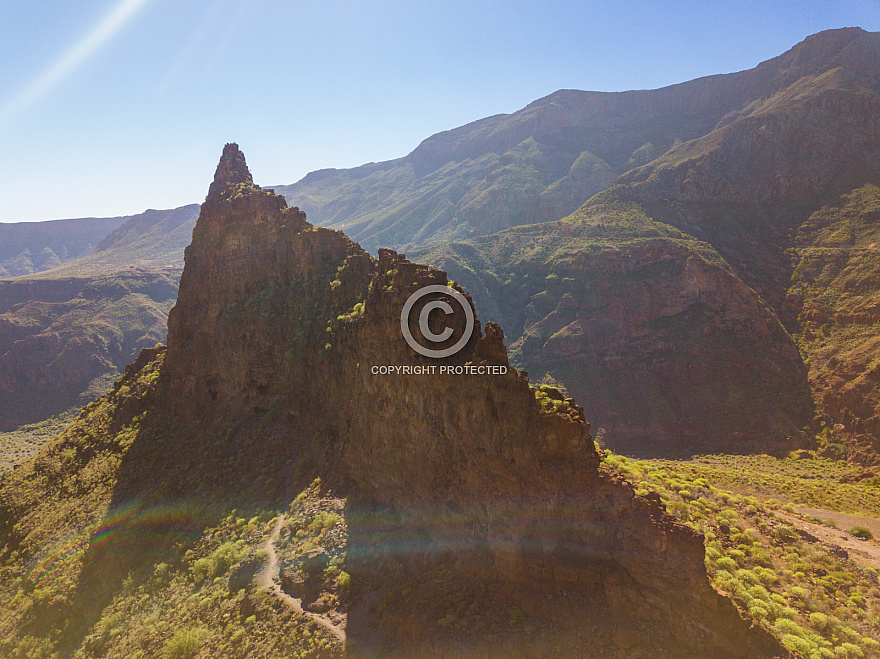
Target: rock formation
473 478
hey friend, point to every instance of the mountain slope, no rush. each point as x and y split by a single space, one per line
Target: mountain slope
66 332
542 162
28 247
64 341
746 193
152 239
669 352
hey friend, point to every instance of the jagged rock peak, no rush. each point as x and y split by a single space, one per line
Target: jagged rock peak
232 171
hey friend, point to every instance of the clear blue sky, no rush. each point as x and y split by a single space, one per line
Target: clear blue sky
109 107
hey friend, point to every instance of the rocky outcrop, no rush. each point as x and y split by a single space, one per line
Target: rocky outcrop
259 291
468 471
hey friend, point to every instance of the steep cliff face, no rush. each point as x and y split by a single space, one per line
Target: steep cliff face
835 293
473 477
259 293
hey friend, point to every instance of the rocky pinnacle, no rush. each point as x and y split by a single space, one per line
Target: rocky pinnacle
232 170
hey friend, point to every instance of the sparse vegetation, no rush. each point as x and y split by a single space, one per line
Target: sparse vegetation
184 644
815 601
861 532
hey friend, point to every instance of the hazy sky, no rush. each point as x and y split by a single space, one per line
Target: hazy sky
109 107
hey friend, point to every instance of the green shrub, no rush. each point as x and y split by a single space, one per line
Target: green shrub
852 651
747 576
799 592
861 532
784 534
201 569
786 626
344 580
820 621
726 563
184 644
742 539
759 592
323 521
758 612
738 555
219 562
798 644
763 559
787 612
765 575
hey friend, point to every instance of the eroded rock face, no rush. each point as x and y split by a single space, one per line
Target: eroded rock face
473 479
62 341
667 350
259 289
672 356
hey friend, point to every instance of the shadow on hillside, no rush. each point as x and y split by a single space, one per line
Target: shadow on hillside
429 585
170 486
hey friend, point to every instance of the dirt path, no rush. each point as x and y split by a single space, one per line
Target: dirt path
268 578
864 552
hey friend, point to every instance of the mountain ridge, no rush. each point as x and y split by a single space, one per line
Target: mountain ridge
51 243
417 206
743 192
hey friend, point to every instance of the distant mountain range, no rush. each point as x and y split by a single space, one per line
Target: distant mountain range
152 239
542 162
715 292
29 247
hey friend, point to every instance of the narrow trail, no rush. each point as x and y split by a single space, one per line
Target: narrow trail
268 578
